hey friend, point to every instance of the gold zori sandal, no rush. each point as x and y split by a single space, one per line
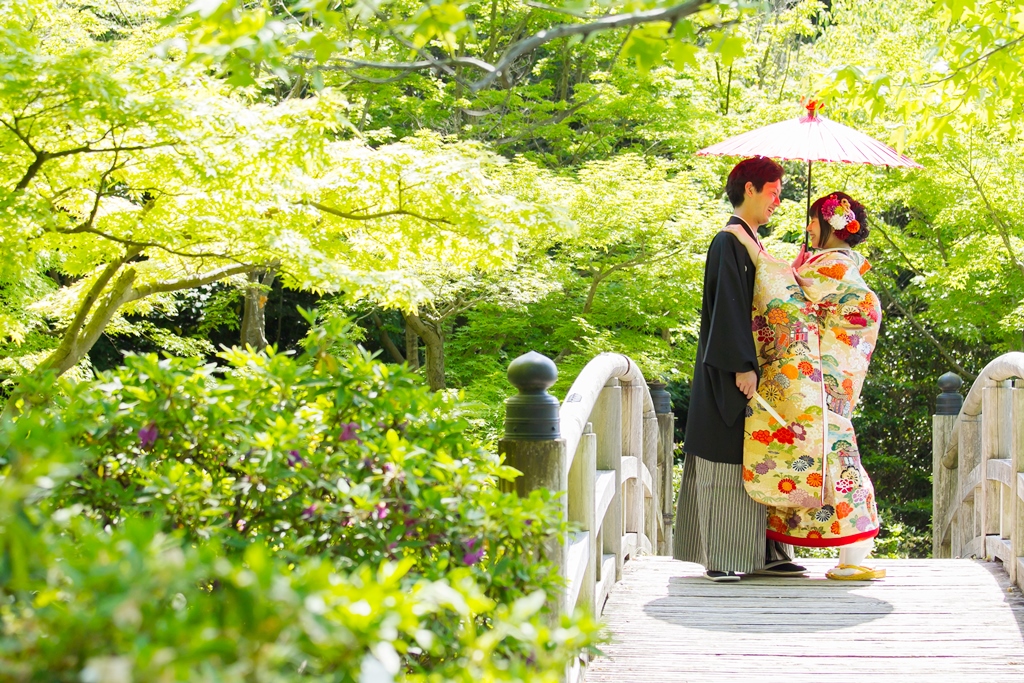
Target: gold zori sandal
861 573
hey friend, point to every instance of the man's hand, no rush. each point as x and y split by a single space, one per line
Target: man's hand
747 383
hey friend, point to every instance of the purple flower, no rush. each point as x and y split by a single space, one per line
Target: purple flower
472 556
148 435
798 430
380 511
759 323
309 512
294 459
348 432
793 521
765 466
863 523
816 376
860 495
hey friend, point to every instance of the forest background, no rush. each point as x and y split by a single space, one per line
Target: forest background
468 181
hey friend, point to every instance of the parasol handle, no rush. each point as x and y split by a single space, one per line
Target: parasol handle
767 406
809 162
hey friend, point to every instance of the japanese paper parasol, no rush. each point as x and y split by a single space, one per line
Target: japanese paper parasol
810 138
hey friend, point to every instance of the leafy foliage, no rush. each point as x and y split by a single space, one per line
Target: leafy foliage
310 516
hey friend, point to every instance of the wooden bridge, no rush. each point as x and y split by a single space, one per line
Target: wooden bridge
608 447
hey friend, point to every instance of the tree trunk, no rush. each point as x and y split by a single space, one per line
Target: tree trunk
95 312
254 318
80 337
433 340
412 348
385 339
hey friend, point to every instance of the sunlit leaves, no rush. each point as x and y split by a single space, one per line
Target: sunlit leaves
162 158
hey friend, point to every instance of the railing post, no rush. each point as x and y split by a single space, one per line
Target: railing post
994 446
1017 463
632 446
582 481
652 503
607 420
533 445
666 458
968 520
947 408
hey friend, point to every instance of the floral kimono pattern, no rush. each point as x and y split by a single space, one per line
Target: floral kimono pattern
814 343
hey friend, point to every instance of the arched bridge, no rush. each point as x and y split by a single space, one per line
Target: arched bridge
958 616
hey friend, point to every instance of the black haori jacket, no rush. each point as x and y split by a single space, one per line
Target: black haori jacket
714 425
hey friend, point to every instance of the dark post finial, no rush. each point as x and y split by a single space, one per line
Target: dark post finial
949 401
660 397
532 414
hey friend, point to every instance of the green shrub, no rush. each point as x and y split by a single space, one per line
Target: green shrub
269 519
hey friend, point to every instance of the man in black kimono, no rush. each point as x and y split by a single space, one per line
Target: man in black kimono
717 524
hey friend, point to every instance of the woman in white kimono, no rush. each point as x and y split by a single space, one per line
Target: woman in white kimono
815 323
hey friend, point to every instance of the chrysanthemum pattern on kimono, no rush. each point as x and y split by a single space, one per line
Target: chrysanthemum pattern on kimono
814 344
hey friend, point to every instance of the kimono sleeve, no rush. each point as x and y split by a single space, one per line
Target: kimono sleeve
730 342
836 283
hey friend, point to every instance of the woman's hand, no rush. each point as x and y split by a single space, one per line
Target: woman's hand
749 244
802 257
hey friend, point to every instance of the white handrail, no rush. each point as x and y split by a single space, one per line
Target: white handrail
579 402
978 470
1006 366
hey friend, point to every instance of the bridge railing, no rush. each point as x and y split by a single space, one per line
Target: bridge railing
607 449
978 467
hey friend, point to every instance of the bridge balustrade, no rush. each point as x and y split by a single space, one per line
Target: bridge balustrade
978 467
607 452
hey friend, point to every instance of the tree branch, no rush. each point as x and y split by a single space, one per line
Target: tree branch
517 49
143 245
94 292
458 306
557 118
996 219
927 335
372 216
971 63
419 65
192 281
669 14
896 247
42 156
385 339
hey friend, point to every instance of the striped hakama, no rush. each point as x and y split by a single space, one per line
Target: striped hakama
718 525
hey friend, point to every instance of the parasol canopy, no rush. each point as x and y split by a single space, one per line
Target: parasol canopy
810 138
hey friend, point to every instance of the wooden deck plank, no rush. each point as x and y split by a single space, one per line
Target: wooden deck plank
927 620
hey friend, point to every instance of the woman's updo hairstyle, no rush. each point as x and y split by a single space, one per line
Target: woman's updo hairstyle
841 214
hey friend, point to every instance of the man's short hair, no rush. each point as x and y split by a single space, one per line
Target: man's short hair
757 170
